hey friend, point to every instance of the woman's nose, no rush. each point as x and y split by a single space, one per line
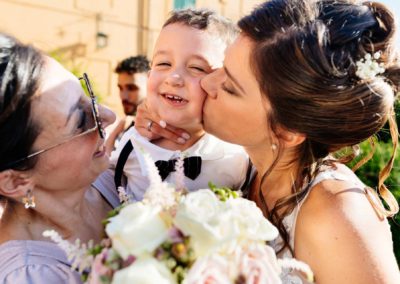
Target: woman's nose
107 115
209 84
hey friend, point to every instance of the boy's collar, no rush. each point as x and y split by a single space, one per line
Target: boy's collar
207 147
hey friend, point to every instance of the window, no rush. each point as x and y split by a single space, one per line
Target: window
181 4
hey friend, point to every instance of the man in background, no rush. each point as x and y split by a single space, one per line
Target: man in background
132 81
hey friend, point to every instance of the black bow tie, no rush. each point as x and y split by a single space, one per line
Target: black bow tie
191 167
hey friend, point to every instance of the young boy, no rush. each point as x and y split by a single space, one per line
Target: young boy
190 45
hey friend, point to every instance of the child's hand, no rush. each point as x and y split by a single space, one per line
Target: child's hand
152 127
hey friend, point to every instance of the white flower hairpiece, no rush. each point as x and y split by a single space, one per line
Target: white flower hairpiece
368 67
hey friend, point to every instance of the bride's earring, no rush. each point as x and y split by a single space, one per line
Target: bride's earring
356 149
29 200
274 147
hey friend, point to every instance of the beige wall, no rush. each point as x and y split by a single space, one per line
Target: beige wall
68 28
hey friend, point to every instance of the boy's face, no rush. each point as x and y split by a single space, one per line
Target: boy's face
182 57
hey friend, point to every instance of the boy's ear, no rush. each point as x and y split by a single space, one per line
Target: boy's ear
15 184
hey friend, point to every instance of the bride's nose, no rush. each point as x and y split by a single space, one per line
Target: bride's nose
210 82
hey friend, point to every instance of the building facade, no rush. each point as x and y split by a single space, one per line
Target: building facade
93 35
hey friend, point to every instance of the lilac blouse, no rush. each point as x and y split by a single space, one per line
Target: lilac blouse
39 262
35 262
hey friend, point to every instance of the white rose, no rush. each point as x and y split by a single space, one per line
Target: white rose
251 222
137 229
202 216
144 271
213 269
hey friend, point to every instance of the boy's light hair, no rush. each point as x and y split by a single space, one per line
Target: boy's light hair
205 19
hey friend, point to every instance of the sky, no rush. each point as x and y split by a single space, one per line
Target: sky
394 5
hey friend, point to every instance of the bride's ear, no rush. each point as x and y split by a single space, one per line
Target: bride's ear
15 184
291 139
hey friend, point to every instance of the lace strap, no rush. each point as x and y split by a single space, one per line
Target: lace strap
330 175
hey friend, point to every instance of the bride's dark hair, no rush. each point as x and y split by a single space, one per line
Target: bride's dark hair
305 62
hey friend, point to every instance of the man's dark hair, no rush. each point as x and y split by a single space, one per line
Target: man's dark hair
133 64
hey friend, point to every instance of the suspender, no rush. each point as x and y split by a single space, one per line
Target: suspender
119 168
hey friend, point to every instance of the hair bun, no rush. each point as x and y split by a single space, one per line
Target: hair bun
383 39
381 36
383 31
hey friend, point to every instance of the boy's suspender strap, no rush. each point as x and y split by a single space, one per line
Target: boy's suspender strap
119 168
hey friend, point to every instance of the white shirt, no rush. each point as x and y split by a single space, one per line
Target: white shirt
223 164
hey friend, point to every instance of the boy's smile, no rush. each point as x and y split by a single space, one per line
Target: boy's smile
174 100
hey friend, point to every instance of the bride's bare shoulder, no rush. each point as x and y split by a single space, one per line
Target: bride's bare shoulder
339 230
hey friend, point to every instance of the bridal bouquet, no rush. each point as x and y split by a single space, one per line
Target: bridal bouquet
205 237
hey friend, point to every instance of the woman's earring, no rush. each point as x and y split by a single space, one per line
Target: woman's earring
29 200
274 146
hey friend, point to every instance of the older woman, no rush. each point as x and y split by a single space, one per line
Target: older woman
303 80
51 150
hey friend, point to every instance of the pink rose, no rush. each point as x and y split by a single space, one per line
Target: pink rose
209 270
98 268
258 265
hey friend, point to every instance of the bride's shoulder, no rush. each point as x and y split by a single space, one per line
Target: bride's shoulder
338 202
337 219
333 186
